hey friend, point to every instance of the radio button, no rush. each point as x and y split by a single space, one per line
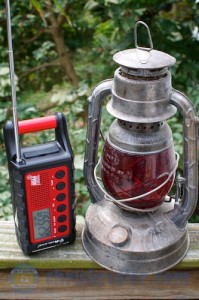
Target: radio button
62 218
62 228
59 174
61 207
61 197
60 186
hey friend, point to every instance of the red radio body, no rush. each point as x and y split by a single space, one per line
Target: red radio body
42 185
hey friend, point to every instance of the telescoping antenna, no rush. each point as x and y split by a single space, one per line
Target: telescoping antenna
12 81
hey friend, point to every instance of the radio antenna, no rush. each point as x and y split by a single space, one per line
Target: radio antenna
12 81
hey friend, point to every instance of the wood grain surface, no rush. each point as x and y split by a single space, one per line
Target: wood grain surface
67 272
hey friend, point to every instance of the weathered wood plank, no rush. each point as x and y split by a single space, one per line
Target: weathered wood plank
73 256
67 273
70 256
101 284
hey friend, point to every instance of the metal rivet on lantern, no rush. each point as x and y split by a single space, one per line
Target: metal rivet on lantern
160 227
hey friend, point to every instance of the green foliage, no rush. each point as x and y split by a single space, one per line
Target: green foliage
5 205
5 89
93 31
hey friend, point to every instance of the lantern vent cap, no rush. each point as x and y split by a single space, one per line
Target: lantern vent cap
143 57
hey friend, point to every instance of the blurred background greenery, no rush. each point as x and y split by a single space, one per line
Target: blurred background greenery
62 49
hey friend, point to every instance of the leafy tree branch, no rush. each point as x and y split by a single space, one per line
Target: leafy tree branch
37 68
55 28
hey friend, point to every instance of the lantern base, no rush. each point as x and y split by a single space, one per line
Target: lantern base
128 243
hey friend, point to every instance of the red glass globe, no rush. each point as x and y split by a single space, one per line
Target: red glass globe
127 175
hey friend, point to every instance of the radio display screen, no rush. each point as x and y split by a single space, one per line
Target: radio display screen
42 223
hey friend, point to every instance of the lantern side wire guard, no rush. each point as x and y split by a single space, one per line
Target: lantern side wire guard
181 213
101 91
120 201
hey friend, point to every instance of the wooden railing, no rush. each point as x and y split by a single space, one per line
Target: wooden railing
66 272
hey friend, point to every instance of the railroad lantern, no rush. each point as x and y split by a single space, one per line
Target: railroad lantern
132 225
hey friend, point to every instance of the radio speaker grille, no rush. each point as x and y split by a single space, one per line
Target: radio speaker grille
39 190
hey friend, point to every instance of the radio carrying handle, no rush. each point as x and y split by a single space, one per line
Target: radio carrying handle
57 122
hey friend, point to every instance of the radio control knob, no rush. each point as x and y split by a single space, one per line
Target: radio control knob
62 228
59 174
62 218
60 186
61 207
61 197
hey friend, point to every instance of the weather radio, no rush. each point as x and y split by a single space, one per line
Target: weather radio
41 177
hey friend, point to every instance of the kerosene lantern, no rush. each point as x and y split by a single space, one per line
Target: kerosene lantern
132 225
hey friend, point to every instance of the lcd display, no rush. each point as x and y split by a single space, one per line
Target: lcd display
41 223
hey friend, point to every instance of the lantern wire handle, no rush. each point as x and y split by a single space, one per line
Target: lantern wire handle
149 36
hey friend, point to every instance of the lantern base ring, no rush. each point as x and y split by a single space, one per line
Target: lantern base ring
119 202
134 244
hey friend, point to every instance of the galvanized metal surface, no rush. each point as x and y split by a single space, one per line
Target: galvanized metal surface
150 242
168 246
175 235
141 59
182 212
141 101
99 94
138 141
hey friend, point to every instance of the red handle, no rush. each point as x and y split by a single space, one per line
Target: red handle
37 124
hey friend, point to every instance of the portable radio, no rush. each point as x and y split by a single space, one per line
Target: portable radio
41 177
42 185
